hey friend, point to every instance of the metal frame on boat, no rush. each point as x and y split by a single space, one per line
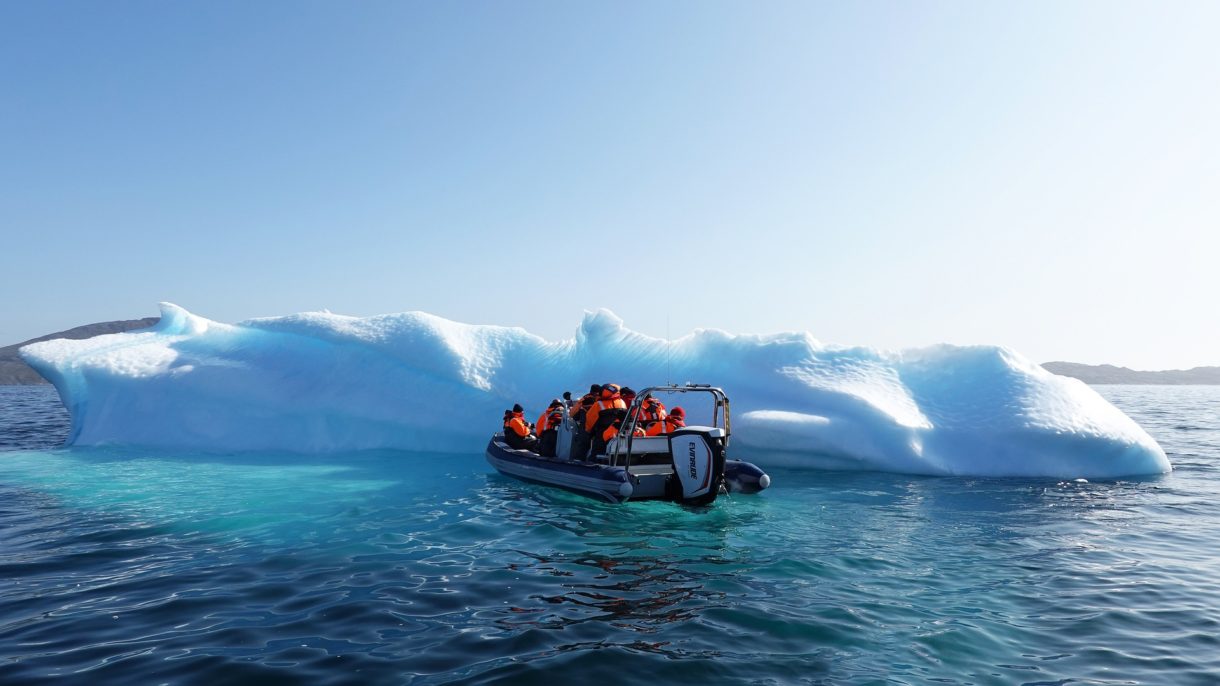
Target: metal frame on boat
689 465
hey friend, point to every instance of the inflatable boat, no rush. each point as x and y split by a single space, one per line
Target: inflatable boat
689 465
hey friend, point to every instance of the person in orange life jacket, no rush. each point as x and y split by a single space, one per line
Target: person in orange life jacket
676 419
597 418
516 432
648 405
608 407
650 409
548 428
581 441
612 430
543 422
628 396
585 403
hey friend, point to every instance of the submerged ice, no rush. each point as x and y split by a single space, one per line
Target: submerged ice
316 382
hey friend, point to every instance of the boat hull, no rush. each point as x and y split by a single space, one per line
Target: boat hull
611 484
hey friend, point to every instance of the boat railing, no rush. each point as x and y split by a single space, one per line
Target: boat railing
720 412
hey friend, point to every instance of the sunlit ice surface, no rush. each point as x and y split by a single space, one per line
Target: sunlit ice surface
318 382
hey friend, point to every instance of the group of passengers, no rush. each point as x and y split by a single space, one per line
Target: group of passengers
598 417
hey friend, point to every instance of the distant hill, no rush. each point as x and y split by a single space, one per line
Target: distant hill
15 372
1109 374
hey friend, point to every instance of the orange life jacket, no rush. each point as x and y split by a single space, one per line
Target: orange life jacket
517 425
612 431
582 406
551 419
652 411
627 400
612 402
665 425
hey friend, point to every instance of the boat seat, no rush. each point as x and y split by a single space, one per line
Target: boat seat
498 439
641 444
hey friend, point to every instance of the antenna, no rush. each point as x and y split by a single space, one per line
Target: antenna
669 356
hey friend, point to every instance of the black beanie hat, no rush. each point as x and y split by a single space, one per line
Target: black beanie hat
518 408
595 388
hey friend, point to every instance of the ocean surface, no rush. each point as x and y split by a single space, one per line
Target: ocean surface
124 567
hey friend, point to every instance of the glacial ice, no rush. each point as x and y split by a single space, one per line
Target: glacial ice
321 382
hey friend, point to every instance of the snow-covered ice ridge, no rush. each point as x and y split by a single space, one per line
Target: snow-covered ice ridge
319 382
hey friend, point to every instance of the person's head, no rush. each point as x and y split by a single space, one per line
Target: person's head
508 414
594 389
517 409
627 394
567 395
555 403
609 390
678 413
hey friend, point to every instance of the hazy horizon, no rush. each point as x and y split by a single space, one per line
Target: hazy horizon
667 335
1040 176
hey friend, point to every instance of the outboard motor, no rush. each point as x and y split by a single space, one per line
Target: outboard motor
698 457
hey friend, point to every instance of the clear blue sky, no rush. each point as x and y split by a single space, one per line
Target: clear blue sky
1042 175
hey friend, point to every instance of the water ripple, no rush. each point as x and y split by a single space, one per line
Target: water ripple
123 567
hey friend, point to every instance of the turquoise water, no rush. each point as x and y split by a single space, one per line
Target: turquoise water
127 567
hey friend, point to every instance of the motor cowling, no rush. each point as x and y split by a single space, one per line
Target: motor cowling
698 461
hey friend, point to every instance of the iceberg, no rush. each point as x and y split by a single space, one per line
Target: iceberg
322 382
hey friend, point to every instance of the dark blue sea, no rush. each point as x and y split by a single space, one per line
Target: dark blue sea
121 567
